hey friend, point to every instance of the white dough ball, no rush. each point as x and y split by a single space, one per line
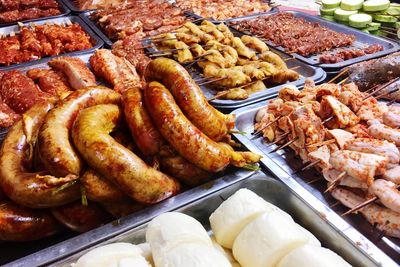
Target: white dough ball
312 256
235 213
267 239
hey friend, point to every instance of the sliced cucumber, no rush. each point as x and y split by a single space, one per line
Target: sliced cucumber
397 25
330 3
376 5
360 21
373 26
328 18
343 15
327 12
365 30
393 11
385 18
351 4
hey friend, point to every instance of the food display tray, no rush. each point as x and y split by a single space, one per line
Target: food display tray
284 164
271 190
96 40
305 71
45 256
362 39
63 9
85 16
73 6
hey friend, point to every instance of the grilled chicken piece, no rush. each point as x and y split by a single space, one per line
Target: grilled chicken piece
322 154
387 221
392 117
183 54
78 74
50 81
383 132
241 49
343 115
392 174
341 136
359 165
254 43
330 174
387 193
115 70
374 146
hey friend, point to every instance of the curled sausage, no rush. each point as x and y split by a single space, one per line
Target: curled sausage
100 189
80 218
56 151
32 189
91 136
122 208
146 136
18 223
186 138
190 98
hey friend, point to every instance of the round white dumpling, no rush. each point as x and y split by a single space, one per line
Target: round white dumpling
171 229
264 242
312 256
311 238
193 255
111 256
235 213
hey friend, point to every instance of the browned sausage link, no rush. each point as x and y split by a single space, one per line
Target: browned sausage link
31 189
189 97
91 137
18 223
100 189
56 151
122 208
80 218
186 138
184 171
146 136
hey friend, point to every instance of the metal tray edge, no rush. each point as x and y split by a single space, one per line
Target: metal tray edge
369 248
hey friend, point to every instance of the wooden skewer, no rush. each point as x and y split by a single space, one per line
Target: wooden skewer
176 49
308 166
328 119
383 86
314 180
364 204
334 182
343 81
391 102
268 124
387 93
335 204
284 145
340 74
214 80
218 95
280 138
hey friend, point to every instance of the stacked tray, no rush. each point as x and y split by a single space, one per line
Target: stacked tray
306 71
362 39
47 251
63 9
284 164
95 40
332 234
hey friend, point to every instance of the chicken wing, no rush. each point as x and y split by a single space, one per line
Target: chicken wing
254 43
241 49
344 116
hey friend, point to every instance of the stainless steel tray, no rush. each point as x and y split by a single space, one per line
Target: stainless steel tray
72 5
96 41
273 191
362 39
283 164
66 244
306 71
63 9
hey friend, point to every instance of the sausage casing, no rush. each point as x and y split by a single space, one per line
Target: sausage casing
189 97
56 151
18 223
91 137
31 189
186 138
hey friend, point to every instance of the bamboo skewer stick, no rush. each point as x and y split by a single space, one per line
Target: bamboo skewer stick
280 138
283 146
340 74
334 182
265 126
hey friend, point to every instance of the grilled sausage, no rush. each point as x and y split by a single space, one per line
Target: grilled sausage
18 223
146 136
190 98
122 208
186 138
31 189
100 189
80 218
56 151
90 134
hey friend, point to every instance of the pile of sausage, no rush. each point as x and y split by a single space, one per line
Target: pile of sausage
42 41
72 162
18 10
347 54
